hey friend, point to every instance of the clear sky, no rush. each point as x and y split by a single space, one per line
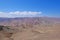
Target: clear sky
27 8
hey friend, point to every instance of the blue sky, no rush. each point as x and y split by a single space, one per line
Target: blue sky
29 8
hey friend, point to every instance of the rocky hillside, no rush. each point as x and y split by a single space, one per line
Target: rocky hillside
36 28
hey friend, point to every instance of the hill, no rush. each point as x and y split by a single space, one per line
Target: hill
30 28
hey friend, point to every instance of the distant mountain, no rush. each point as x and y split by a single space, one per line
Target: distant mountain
29 20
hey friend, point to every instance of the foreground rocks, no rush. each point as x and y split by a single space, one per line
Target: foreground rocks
36 33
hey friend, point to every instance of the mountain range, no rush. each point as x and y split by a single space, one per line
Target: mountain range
30 28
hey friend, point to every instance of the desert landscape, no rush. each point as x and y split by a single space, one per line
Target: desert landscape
29 19
30 28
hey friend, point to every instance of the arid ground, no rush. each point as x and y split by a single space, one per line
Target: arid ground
36 28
